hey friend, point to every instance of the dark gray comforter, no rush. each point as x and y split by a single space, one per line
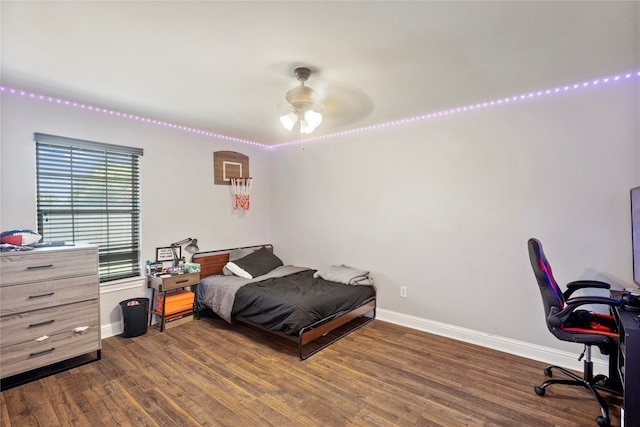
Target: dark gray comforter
287 299
289 303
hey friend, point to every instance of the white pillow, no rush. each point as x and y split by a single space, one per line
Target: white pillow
234 269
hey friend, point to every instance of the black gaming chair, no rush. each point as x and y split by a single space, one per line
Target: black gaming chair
569 323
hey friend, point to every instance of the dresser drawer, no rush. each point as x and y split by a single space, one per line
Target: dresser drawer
39 265
24 357
34 296
31 325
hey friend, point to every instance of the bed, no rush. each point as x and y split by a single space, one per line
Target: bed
315 308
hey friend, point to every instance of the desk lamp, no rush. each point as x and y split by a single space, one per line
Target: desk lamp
192 248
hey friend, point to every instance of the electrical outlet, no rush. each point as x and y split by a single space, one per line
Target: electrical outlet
403 291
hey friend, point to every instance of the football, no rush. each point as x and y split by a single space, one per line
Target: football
19 237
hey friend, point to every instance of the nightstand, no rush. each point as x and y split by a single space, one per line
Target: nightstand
166 283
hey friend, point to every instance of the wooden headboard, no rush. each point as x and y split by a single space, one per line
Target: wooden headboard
212 262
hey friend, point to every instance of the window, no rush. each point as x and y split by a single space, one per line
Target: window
90 192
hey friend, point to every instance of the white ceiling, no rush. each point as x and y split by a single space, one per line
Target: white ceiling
225 66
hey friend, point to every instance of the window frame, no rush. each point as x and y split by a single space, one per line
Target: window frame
90 192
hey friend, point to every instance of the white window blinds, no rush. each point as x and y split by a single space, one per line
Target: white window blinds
89 192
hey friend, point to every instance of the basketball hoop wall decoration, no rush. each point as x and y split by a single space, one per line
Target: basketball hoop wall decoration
232 169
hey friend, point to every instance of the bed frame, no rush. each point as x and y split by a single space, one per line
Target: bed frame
322 333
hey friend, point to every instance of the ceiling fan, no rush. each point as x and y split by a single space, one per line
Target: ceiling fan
306 110
333 104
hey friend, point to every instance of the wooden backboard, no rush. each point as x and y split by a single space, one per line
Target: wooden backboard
229 164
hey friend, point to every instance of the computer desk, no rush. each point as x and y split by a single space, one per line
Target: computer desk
628 364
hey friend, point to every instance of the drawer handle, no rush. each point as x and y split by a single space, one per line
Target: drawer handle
35 325
181 281
41 296
43 352
39 267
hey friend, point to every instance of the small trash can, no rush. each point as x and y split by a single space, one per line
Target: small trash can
135 316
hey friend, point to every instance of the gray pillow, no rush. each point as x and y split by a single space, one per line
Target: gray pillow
255 264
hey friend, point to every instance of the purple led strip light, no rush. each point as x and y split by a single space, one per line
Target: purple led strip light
125 115
561 89
537 94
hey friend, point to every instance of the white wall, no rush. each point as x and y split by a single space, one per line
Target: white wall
445 207
179 198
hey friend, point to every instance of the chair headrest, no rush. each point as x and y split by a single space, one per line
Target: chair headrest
544 274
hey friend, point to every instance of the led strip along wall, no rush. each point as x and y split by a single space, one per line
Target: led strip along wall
531 95
503 101
122 115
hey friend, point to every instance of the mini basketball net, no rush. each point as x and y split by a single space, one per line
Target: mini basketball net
241 191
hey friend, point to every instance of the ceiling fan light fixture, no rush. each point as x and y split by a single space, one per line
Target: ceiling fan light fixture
289 120
313 118
306 109
308 120
305 128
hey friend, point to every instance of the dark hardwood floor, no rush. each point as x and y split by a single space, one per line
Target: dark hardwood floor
209 373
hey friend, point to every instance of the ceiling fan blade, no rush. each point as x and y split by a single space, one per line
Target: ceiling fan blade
345 105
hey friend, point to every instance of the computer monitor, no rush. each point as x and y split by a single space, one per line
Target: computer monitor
635 233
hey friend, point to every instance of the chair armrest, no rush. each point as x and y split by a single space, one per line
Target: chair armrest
578 301
584 284
557 318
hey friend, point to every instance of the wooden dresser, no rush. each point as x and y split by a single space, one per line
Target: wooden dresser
49 307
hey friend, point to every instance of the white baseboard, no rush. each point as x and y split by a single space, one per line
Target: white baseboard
519 348
110 297
547 355
111 329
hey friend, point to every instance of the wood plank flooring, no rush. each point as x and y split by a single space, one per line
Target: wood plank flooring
212 374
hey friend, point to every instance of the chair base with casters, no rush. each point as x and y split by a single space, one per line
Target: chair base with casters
588 381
